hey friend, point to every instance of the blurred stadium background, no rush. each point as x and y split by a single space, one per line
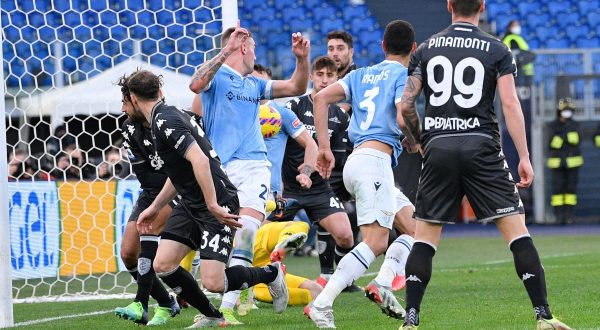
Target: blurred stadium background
61 58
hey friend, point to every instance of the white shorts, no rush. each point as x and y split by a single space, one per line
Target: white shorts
402 201
252 179
369 178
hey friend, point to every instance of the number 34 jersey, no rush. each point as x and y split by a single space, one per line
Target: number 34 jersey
459 67
374 92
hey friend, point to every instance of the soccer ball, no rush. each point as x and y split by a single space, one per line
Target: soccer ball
270 121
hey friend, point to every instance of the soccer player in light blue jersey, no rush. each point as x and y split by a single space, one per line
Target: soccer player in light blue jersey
230 101
375 95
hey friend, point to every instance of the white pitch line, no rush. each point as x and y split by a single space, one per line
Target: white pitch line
559 255
56 318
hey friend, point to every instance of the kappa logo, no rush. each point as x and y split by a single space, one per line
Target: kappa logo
308 114
226 240
131 129
126 145
224 252
413 278
335 120
168 132
126 136
160 122
147 143
377 185
177 290
227 229
527 276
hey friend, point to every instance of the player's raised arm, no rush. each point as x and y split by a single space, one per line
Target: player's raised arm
202 172
331 94
297 84
515 123
408 118
206 72
311 152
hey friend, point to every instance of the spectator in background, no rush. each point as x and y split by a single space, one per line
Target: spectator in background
59 141
113 165
564 160
520 50
19 167
65 170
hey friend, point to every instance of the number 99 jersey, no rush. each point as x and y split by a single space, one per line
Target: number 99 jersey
458 68
374 92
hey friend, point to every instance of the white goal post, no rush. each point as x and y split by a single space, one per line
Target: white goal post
59 238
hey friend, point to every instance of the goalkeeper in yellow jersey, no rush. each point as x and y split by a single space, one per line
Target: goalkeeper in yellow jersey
272 242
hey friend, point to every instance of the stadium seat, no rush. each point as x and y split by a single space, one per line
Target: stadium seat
175 31
557 43
324 12
593 18
575 32
558 8
536 19
53 18
352 12
302 25
527 8
534 43
164 17
588 42
545 32
331 24
503 20
495 9
283 4
36 19
568 19
586 6
270 26
290 14
193 4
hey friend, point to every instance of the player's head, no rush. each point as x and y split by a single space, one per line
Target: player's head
262 71
340 48
246 51
465 8
323 73
126 105
398 38
144 86
565 108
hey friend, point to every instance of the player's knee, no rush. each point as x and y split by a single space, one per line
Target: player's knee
213 283
162 265
345 239
378 246
129 257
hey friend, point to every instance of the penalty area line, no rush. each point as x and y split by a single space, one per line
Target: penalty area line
57 318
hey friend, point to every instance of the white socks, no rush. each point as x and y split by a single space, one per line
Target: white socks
395 260
350 268
243 253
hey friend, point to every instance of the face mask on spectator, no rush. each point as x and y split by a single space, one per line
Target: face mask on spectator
515 29
566 114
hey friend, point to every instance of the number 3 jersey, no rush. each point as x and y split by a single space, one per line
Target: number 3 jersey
374 92
458 68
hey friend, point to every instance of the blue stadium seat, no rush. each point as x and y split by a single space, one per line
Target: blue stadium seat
36 19
575 32
175 31
331 24
127 18
291 14
108 18
586 6
367 37
164 17
144 17
93 48
184 45
193 4
53 18
593 18
352 12
495 9
503 20
283 4
558 8
138 32
567 19
118 32
545 32
252 3
588 42
270 26
537 19
149 46
324 12
526 8
154 5
357 25
156 32
82 33
90 18
534 43
11 33
99 5
557 43
311 4
263 13
301 25
18 19
25 6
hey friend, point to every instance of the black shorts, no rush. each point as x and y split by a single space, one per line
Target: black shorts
338 187
201 231
472 165
144 200
317 205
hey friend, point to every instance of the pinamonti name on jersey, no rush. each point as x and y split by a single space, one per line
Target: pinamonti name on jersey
459 68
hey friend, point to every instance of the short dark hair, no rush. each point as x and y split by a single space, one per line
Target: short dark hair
323 62
399 36
124 83
345 36
465 8
227 33
144 84
263 69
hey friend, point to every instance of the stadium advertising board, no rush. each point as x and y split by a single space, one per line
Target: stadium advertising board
127 193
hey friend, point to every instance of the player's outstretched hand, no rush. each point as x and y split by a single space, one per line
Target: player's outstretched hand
325 162
525 173
146 218
300 45
304 180
237 39
224 217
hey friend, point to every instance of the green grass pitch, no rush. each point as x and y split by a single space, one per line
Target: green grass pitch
474 286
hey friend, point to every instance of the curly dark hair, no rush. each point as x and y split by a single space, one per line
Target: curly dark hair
144 84
124 83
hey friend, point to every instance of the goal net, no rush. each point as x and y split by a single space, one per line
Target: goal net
70 188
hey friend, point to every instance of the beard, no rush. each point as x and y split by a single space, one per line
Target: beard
136 116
